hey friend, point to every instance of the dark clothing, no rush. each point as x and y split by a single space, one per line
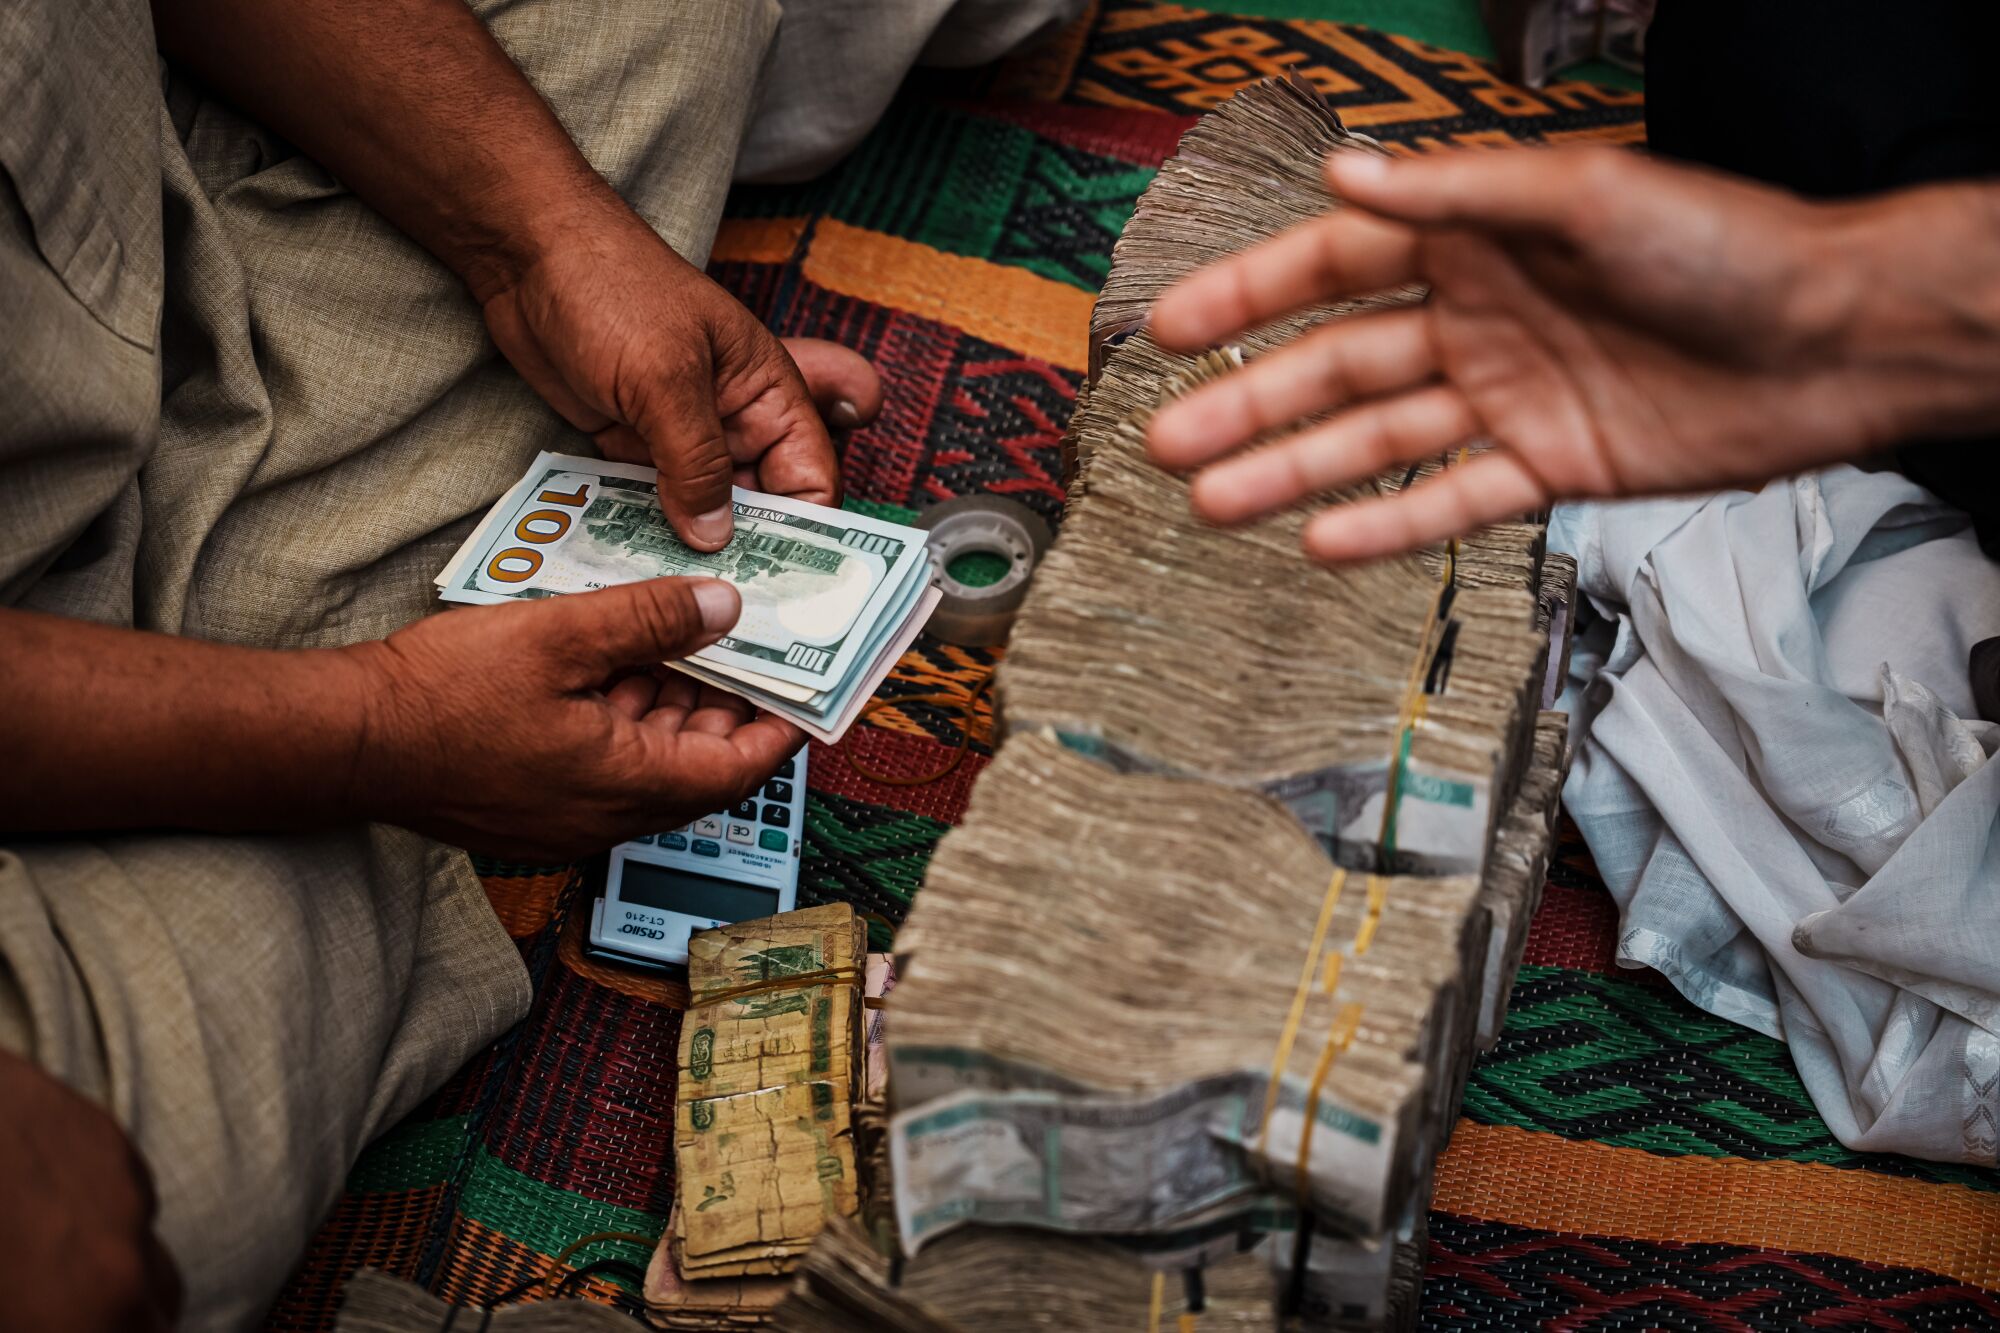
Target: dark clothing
1835 98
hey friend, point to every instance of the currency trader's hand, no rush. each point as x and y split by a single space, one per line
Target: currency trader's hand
1609 324
543 730
77 1249
636 346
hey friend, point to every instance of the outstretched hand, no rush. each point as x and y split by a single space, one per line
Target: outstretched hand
1609 324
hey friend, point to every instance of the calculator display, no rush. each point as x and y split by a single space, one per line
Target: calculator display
669 890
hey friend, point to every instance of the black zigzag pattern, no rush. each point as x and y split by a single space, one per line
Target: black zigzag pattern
1486 1275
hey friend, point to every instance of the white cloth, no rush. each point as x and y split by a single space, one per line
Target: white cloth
839 62
1777 783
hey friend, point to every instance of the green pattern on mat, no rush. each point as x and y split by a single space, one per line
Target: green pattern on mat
865 854
545 1218
1624 1062
973 186
1452 24
416 1154
888 513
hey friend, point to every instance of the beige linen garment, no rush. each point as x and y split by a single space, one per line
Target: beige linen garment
235 403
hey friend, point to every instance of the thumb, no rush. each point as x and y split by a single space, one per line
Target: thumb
637 624
683 436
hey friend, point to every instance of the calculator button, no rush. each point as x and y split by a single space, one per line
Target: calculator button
745 809
778 816
703 847
786 769
771 840
673 842
777 789
741 832
708 828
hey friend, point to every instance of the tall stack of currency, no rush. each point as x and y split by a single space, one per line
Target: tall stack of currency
1282 677
1189 999
1249 170
831 599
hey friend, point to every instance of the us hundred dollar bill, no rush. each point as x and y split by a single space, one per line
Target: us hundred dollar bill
814 581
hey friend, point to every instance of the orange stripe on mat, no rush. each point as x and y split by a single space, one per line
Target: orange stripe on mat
756 240
1499 1173
1019 310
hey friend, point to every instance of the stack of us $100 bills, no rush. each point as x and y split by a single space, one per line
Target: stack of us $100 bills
831 599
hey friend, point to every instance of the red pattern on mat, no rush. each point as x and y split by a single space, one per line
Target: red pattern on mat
1575 928
1144 138
896 752
602 1065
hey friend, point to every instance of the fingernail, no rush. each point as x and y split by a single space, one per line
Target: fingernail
713 528
1359 168
719 603
844 415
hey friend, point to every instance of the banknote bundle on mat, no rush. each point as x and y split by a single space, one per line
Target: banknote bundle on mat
831 599
1188 1000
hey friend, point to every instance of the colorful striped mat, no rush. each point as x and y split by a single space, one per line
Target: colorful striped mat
1624 1161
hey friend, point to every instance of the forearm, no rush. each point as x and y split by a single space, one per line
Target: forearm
415 107
1916 277
107 728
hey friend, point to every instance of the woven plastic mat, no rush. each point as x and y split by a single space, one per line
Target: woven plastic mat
1624 1160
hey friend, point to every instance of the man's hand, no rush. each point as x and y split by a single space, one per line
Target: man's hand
77 1249
1611 325
634 345
415 107
542 729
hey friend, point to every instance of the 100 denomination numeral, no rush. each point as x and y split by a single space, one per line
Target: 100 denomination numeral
537 527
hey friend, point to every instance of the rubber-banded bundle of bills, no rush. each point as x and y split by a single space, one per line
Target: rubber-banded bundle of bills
1190 997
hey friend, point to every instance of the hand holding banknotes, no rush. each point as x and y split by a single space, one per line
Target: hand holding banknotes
538 729
631 343
1608 324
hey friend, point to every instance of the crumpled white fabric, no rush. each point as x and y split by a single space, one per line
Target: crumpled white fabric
1777 778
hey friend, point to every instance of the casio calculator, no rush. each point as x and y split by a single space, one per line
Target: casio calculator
736 865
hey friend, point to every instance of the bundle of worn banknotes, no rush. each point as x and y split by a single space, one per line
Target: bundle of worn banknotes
831 599
1188 1001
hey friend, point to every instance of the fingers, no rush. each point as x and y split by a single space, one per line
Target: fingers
780 430
1514 189
638 624
683 437
705 710
1353 358
1487 489
633 696
1355 445
844 386
1346 253
719 752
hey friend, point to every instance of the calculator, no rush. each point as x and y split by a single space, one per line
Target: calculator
735 865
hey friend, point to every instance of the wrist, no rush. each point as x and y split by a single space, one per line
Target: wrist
372 758
1920 331
513 228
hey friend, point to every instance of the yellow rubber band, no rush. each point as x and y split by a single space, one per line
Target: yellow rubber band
1290 1033
1338 1038
1159 1303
